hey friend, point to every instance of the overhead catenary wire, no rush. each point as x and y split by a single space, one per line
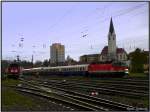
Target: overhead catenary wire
62 17
117 15
121 13
124 12
54 25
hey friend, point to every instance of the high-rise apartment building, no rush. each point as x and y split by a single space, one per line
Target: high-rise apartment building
57 53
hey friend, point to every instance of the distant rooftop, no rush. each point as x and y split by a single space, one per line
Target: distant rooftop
105 50
91 55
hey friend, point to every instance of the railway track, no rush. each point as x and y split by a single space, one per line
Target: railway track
124 80
110 84
91 102
108 87
130 83
122 91
64 98
67 101
141 83
102 90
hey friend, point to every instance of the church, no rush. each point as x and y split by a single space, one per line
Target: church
108 53
112 52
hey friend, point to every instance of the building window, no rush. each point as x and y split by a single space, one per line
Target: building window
124 56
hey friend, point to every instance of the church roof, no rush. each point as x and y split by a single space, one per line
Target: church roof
105 50
90 55
120 50
111 28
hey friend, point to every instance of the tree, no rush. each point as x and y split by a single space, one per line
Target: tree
45 63
70 60
5 64
38 64
138 59
25 64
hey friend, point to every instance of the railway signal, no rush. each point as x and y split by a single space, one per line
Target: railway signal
94 93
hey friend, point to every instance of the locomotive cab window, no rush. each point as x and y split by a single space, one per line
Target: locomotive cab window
13 65
119 64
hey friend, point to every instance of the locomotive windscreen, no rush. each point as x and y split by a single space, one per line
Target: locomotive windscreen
119 64
14 65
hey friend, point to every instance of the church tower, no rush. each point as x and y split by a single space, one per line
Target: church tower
111 42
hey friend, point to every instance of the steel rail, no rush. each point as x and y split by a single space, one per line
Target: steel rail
79 102
57 99
67 84
131 93
105 83
109 103
132 81
111 81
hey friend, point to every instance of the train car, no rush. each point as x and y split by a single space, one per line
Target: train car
14 70
59 70
91 70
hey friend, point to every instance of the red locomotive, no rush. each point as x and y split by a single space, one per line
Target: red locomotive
116 69
14 70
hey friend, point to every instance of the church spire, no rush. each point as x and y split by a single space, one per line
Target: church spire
111 42
111 28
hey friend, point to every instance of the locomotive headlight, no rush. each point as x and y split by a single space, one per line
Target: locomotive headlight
126 71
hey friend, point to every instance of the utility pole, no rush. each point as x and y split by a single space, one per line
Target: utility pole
32 55
18 58
32 60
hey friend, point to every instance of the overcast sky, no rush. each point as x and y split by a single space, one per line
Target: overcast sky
40 24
